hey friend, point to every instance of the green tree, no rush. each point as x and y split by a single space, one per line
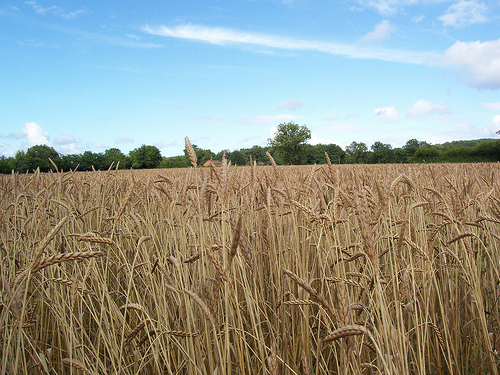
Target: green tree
289 141
316 154
357 153
6 165
428 154
91 159
115 155
36 157
258 154
145 157
180 161
237 158
381 153
70 161
412 146
400 155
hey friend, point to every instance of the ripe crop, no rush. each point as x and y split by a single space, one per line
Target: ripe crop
252 270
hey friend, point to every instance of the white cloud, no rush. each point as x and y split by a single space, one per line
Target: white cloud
269 119
224 36
495 106
290 104
41 9
54 9
64 139
478 61
388 114
382 31
387 7
423 107
133 36
207 118
384 7
273 131
332 117
464 13
123 140
495 123
315 140
418 19
16 135
35 134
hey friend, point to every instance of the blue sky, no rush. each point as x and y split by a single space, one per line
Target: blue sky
91 75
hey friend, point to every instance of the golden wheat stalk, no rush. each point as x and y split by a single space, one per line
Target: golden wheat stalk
202 305
76 364
190 150
235 242
70 283
313 292
65 257
41 247
349 330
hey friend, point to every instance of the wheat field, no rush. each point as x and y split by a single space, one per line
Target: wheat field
382 269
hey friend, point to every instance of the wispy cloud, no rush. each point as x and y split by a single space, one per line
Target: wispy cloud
207 118
332 117
424 107
269 119
54 9
386 7
494 106
64 139
123 140
464 13
389 114
382 31
478 61
290 104
225 36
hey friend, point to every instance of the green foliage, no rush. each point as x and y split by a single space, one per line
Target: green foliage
400 155
145 157
381 153
428 154
115 155
289 142
6 165
237 158
90 159
413 145
414 151
258 154
175 162
36 157
316 154
70 162
357 153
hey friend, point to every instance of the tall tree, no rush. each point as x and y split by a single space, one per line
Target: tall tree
36 157
288 143
145 157
115 155
381 153
357 152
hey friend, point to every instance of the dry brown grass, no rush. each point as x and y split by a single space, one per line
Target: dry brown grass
252 270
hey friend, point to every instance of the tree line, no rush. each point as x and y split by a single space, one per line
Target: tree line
288 146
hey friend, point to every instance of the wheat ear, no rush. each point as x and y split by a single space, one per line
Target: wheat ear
190 151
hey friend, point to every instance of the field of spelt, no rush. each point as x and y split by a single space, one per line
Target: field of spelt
387 269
